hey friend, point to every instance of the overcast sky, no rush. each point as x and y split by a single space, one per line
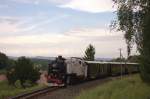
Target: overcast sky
58 27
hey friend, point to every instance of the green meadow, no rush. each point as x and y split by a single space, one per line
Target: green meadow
131 87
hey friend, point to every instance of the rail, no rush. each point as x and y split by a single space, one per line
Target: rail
35 94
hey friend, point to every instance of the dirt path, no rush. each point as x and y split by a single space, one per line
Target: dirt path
42 79
3 77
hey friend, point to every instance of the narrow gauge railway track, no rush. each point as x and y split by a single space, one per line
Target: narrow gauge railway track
46 91
35 94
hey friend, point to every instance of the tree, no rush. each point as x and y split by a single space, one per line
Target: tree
23 71
133 18
145 52
133 58
3 60
118 60
11 75
90 53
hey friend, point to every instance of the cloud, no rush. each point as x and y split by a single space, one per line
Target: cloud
37 2
21 35
45 21
28 1
8 24
92 32
70 43
36 39
9 19
74 35
11 26
92 6
3 6
49 44
59 1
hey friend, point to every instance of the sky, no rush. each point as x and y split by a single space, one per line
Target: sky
59 27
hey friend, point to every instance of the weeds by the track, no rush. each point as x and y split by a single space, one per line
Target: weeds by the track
131 87
7 90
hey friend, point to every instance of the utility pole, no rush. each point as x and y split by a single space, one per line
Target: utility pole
120 50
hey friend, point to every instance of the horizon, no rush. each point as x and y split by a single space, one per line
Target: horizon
54 27
57 56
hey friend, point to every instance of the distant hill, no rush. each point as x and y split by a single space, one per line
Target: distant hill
44 61
42 57
39 60
13 57
53 58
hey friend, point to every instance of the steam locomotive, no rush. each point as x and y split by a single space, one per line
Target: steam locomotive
62 72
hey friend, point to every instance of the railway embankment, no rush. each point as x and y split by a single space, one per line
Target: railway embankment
129 87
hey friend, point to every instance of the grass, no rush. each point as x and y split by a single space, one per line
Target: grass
2 71
8 91
131 87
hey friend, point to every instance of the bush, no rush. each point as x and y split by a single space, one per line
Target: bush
3 61
24 71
